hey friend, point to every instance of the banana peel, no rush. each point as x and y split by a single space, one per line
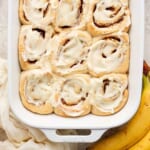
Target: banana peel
143 144
136 128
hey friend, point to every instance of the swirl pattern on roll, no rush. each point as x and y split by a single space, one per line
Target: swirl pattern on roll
34 46
37 89
70 52
108 16
37 12
73 98
71 14
109 93
109 54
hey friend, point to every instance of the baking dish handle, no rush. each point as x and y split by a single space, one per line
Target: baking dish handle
92 137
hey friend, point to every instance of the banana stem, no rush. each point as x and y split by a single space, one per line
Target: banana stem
146 81
146 76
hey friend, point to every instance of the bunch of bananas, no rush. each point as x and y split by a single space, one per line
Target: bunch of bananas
135 135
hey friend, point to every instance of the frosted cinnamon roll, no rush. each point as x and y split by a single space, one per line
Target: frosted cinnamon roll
33 46
110 94
109 54
71 14
108 16
37 12
73 98
70 52
37 90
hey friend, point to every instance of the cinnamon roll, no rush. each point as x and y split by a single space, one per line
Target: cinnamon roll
34 51
108 16
71 14
37 88
73 98
70 52
109 54
37 12
110 94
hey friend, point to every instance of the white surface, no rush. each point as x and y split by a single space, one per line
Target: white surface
98 122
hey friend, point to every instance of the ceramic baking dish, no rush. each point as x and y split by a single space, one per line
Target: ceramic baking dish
97 124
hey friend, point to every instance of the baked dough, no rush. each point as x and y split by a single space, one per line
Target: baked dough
109 94
108 16
74 56
37 90
73 98
108 54
71 14
34 50
37 12
69 52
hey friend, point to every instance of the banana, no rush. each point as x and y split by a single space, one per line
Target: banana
143 144
135 129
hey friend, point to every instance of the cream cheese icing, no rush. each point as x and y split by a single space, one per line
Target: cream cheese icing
39 88
35 45
108 12
73 95
71 53
68 12
38 12
108 53
108 91
35 42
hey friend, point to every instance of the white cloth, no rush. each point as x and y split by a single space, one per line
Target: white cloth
18 136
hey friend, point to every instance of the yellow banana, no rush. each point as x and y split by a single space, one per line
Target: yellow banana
135 129
143 144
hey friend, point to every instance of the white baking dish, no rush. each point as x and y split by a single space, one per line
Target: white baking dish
98 125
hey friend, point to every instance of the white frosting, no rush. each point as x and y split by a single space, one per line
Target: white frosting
68 12
35 44
108 12
38 88
70 52
74 93
71 56
38 12
106 55
108 94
